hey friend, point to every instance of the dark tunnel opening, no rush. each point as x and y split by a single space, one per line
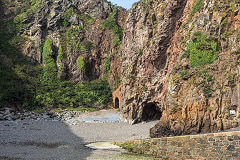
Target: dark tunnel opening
151 112
116 103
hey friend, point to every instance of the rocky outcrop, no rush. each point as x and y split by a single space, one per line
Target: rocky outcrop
193 90
203 96
76 26
146 54
177 60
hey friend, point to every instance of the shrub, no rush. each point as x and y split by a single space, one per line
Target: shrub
206 83
196 7
107 64
81 64
60 58
111 24
70 94
27 85
202 50
32 7
50 69
184 75
60 54
72 36
47 52
224 22
140 52
88 46
63 22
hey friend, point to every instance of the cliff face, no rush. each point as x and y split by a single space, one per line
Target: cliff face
75 26
203 88
147 56
173 60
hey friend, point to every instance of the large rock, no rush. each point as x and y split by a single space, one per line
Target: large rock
147 56
82 20
205 98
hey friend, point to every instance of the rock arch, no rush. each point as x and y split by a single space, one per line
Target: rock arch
117 98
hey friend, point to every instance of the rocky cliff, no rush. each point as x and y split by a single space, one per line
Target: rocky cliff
173 60
203 87
181 64
77 27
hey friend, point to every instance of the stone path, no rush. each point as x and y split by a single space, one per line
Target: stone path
56 140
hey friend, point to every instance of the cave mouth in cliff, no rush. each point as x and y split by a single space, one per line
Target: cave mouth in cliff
151 112
116 103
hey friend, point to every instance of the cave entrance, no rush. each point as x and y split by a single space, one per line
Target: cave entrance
151 112
116 103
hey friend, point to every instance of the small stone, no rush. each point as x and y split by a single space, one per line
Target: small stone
1 117
235 154
230 138
231 148
211 139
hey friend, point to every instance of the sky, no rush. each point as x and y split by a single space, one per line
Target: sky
124 3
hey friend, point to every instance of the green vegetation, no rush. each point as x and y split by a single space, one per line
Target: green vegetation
197 6
63 22
127 145
206 84
111 24
39 111
144 87
129 156
23 84
107 64
70 94
17 77
87 46
60 57
202 50
31 7
140 52
184 75
231 77
67 15
72 37
60 54
81 64
54 93
73 40
50 69
73 12
224 22
233 6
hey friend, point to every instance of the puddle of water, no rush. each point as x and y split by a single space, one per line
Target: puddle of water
102 145
102 117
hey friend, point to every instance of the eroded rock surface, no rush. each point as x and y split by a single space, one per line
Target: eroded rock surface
76 26
204 98
176 61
